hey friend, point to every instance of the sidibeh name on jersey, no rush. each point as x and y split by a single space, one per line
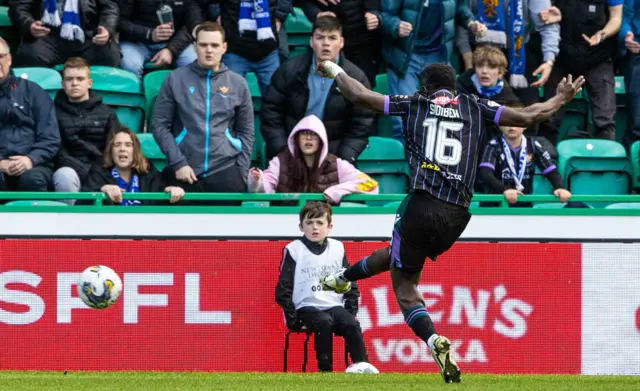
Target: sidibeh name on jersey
439 111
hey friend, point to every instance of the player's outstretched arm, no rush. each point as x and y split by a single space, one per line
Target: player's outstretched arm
538 112
352 89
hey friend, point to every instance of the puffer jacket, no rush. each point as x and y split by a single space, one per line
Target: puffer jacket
84 128
93 13
285 103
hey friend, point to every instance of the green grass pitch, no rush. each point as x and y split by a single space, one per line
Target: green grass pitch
151 381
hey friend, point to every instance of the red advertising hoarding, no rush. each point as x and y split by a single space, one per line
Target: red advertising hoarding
209 306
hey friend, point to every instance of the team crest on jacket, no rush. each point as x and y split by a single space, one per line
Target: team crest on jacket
529 157
224 90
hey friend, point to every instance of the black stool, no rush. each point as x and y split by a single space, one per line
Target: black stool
306 349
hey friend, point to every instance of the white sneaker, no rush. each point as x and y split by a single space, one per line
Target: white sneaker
441 354
336 282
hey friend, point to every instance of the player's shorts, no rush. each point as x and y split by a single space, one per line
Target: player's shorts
425 228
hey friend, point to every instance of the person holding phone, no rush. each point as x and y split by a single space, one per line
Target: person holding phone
155 31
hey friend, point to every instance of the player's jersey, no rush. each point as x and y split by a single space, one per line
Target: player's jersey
495 158
443 134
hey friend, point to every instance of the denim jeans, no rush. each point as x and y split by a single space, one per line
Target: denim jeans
263 68
66 180
632 84
408 84
136 54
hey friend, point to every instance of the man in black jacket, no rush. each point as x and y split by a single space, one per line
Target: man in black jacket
48 40
251 28
29 136
84 122
297 90
144 37
361 21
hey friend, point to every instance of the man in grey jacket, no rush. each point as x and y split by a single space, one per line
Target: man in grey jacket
203 120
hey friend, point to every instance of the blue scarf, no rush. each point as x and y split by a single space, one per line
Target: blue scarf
50 17
491 13
487 92
255 16
132 187
516 175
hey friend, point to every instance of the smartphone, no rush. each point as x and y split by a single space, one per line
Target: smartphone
165 14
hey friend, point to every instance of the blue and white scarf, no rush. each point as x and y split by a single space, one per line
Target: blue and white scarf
487 92
255 16
517 175
71 29
491 13
132 187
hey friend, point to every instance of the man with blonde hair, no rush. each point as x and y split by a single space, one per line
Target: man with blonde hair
84 122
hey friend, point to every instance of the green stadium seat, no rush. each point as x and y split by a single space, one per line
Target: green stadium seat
383 159
576 116
4 17
385 127
152 82
634 155
152 151
298 28
624 205
10 34
121 90
541 184
254 87
621 116
35 203
593 166
47 78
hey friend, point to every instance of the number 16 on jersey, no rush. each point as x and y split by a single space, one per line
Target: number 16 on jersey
440 148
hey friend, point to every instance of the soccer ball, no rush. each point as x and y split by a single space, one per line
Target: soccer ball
362 367
99 287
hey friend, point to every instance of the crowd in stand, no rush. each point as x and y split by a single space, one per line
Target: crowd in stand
203 118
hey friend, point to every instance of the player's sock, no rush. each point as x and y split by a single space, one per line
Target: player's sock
420 322
358 271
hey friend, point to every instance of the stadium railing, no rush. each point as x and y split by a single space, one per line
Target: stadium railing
259 203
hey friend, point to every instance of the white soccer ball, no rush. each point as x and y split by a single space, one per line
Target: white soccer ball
99 287
362 367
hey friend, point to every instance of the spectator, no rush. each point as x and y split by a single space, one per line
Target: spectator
252 28
417 34
124 169
304 261
629 36
85 123
526 62
29 136
203 120
211 10
507 166
308 167
361 22
54 30
143 37
297 91
486 78
588 42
